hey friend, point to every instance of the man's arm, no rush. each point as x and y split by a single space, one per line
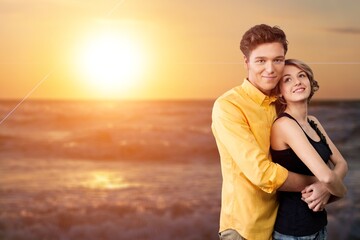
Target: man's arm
232 131
296 182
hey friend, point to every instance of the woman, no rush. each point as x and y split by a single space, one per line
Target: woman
300 143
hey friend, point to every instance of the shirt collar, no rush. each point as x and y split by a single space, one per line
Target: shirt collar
256 95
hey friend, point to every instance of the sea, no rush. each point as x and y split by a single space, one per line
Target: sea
109 170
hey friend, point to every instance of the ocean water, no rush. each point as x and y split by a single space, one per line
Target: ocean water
134 170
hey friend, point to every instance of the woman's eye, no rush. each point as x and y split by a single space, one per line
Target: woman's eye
287 79
302 75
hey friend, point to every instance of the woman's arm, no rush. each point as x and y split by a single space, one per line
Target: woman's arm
286 132
340 164
340 168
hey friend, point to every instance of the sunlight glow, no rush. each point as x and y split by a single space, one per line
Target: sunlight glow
105 180
111 62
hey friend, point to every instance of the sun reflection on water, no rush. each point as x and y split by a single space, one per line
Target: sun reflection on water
105 180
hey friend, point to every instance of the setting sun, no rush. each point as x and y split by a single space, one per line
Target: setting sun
111 62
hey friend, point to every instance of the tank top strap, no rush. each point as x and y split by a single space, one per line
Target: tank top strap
312 124
319 133
284 114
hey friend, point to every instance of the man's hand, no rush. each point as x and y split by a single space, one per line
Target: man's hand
316 196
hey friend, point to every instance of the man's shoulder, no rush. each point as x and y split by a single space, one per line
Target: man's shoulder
230 102
232 95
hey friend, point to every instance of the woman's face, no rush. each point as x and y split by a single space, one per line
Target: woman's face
294 84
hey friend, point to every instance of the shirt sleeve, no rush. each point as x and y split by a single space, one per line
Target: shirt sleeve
232 131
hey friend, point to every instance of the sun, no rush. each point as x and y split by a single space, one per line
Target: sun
111 63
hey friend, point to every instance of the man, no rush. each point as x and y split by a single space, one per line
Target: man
242 119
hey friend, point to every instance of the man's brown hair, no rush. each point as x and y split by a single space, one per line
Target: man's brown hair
260 34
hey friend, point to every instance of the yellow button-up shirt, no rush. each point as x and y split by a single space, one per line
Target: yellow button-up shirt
241 123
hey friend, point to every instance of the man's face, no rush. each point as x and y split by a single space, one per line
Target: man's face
265 66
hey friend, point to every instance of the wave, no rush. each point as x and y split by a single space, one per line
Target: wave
136 130
103 144
112 222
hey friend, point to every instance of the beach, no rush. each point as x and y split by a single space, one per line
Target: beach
134 170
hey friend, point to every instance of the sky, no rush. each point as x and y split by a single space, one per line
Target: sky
118 49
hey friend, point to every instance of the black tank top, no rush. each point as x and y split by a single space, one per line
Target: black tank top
294 217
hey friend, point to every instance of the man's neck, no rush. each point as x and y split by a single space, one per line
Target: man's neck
267 93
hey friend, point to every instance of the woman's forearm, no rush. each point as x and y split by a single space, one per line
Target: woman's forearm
341 169
335 184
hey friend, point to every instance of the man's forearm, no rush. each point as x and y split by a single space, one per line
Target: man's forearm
296 182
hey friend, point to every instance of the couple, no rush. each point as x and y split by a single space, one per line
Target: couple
274 161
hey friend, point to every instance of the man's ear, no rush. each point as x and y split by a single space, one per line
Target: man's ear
246 62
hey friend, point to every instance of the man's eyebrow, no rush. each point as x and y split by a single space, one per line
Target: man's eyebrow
278 57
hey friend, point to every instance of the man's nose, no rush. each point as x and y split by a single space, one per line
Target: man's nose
269 67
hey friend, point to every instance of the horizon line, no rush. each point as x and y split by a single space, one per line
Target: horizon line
153 99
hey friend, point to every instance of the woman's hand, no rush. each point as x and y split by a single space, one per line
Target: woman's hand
316 196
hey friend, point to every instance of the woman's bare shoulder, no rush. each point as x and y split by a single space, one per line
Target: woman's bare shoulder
313 118
284 124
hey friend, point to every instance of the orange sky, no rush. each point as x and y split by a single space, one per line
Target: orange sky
189 49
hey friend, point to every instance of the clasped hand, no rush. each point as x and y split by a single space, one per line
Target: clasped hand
316 196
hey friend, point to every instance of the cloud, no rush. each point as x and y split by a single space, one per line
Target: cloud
348 30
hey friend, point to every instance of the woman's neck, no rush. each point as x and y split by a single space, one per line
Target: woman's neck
299 111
